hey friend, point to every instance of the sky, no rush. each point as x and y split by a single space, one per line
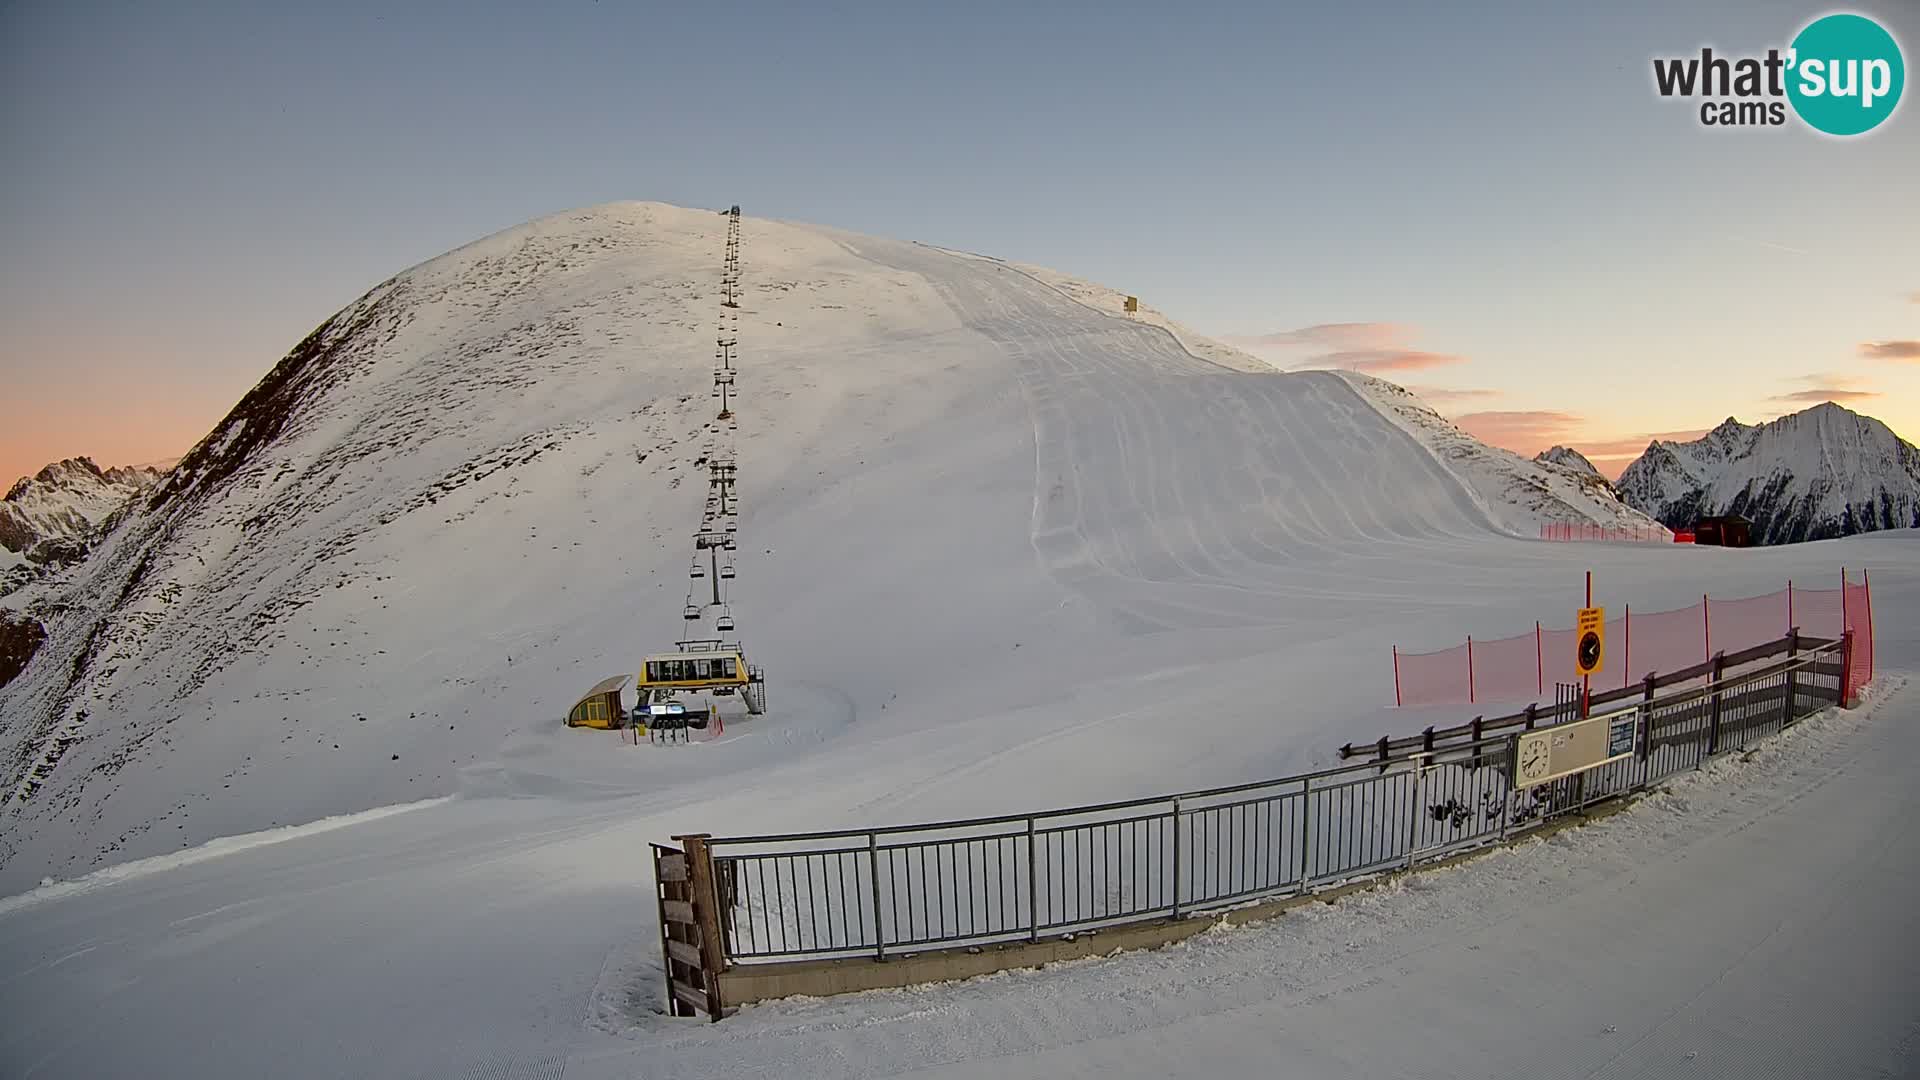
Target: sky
1491 206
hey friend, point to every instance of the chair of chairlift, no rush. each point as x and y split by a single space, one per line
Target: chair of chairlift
698 570
693 612
724 622
726 571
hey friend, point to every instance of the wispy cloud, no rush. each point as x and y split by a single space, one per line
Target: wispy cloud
1627 447
1827 386
1523 431
1344 335
1914 296
1437 395
1371 347
1377 360
1890 350
1823 394
1774 244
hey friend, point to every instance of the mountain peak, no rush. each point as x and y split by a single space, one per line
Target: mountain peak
1567 457
66 500
1821 472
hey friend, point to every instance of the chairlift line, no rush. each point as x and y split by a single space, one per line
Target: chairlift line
717 532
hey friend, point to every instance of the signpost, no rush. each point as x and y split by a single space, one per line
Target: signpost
1565 749
1590 649
1590 645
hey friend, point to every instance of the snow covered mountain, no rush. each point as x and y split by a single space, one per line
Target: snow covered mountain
67 499
390 570
1819 473
1516 493
1566 457
47 518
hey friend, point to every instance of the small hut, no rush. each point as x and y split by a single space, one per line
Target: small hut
1724 530
600 707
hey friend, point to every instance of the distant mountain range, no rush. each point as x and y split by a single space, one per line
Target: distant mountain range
46 518
1823 472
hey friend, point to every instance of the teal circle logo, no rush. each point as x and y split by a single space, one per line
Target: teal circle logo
1845 74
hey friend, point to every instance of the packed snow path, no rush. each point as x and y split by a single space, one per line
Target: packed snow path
1753 920
1758 914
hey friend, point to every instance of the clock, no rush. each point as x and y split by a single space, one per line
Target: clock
1533 759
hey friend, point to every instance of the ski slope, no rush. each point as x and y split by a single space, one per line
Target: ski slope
977 512
1749 915
1001 550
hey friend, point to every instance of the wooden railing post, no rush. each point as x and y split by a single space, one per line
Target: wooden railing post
705 899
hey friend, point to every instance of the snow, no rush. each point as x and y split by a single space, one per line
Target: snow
69 498
212 849
1567 456
1514 492
1823 471
1003 550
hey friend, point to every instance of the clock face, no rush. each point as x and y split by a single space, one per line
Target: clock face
1533 759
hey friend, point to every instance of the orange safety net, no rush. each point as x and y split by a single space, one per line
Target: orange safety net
1613 534
1525 667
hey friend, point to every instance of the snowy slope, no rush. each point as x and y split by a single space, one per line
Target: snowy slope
1516 493
466 497
1002 549
514 937
1823 472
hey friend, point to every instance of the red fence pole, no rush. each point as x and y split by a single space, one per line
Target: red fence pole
1539 665
1789 605
1866 583
1396 676
1470 669
1627 664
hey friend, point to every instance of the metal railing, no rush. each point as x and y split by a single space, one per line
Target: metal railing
889 891
1792 644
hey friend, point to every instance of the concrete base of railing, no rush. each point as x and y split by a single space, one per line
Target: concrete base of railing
743 984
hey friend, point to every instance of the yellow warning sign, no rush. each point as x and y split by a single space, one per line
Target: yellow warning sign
1590 640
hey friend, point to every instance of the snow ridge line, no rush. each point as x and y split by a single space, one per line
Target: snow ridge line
1178 341
218 847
